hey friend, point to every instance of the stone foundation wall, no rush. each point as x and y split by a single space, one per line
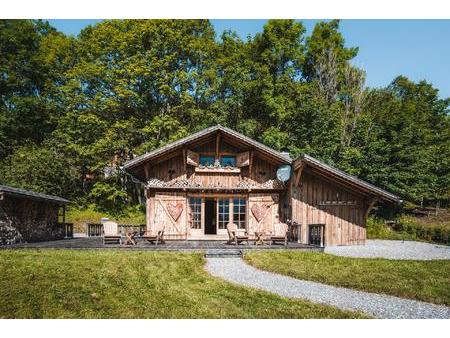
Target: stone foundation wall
24 220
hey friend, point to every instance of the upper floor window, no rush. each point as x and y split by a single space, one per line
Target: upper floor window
228 161
206 160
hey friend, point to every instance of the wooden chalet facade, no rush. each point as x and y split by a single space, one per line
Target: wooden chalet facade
197 185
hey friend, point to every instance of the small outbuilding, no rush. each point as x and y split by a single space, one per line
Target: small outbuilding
27 216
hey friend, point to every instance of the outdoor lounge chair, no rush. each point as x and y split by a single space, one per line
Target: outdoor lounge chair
110 233
153 238
233 235
280 234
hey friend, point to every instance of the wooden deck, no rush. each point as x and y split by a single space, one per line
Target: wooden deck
209 247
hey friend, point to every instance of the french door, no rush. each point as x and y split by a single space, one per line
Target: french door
210 215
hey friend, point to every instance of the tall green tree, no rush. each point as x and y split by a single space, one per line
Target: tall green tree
80 107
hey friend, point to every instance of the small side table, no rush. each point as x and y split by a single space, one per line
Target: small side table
259 238
130 239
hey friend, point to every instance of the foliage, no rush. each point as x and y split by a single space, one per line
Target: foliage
39 169
120 284
377 229
82 214
422 280
125 87
108 196
410 228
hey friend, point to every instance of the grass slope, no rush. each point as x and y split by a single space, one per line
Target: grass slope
120 284
422 280
80 216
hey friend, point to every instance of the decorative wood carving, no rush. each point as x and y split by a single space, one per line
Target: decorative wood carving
175 210
260 210
192 158
243 159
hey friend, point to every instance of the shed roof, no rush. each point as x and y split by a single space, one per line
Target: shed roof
345 177
205 132
21 193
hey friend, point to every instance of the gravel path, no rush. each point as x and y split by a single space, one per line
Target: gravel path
392 250
237 271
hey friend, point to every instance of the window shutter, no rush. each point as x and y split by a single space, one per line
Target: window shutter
243 159
192 158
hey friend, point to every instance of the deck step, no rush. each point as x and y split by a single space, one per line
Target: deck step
227 253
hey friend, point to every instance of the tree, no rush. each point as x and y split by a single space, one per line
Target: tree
33 57
40 169
409 126
125 87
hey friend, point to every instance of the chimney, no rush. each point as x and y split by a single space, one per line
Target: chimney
285 154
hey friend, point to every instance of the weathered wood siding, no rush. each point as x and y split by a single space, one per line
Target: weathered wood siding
317 201
169 170
175 168
262 170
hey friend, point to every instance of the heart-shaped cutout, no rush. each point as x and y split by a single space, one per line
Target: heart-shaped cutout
259 211
175 210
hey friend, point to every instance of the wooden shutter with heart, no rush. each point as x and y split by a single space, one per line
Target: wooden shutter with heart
263 212
192 158
243 159
170 214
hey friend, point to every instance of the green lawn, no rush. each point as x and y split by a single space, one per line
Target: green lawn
422 280
123 284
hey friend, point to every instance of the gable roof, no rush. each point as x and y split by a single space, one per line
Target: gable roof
21 193
346 178
332 172
206 132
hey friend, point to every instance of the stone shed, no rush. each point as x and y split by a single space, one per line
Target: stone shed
27 216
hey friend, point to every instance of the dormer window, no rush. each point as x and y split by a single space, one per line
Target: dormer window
206 160
228 161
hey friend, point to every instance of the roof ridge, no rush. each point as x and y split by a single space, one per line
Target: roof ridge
211 129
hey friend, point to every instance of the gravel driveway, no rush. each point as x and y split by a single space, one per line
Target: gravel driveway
237 271
392 250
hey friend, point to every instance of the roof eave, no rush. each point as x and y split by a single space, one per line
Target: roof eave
374 190
20 193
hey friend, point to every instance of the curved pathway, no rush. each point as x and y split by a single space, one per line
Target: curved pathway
382 306
392 250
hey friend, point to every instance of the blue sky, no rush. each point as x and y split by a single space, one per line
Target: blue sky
418 49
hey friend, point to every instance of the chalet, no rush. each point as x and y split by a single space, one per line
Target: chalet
197 185
28 216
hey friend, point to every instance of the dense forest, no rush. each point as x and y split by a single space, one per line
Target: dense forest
72 106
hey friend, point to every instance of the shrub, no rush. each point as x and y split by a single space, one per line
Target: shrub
409 228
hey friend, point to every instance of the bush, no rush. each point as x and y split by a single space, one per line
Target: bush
409 228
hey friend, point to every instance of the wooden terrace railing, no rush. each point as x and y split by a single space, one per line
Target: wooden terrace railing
96 229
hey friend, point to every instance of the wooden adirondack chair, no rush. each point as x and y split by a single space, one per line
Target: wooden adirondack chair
234 237
110 233
154 237
280 234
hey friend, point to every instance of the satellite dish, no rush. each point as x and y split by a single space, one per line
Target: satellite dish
284 173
